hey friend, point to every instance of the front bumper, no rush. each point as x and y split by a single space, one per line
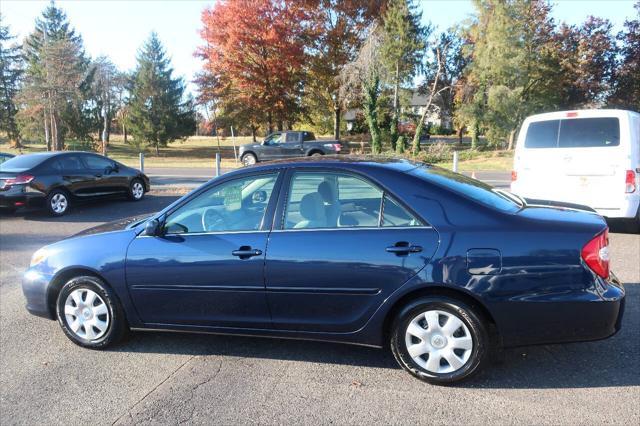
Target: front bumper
35 287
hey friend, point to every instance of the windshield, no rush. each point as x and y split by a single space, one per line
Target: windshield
469 188
20 163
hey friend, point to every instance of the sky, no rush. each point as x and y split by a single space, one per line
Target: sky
117 28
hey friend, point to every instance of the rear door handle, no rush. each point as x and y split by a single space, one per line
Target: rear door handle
400 249
246 252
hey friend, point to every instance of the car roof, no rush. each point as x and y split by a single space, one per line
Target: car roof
341 161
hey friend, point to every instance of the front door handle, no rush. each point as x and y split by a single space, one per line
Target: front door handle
403 248
246 252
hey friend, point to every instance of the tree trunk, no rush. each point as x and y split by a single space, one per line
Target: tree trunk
105 134
157 149
253 133
269 123
371 112
460 131
337 112
280 125
47 135
512 135
124 132
393 131
474 135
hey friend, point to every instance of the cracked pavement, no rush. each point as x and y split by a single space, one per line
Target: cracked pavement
165 378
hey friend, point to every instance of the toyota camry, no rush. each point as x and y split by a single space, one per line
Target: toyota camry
440 267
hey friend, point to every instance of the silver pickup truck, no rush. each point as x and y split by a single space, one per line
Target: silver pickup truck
287 145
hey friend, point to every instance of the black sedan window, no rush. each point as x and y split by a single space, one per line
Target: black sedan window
21 163
97 163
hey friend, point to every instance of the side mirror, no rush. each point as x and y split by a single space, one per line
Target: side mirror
151 228
259 196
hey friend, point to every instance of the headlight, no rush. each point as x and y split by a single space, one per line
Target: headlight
39 257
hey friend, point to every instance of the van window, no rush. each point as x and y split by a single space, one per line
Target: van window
589 132
542 134
574 133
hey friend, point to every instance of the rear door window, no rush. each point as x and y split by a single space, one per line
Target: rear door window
589 132
542 134
71 163
574 133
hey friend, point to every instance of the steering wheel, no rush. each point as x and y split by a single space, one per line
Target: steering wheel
212 220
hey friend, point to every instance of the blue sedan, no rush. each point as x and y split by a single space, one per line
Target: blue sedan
441 267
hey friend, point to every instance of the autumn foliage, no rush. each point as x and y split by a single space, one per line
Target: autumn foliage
254 55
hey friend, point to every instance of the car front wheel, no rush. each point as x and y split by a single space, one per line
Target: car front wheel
439 340
249 159
89 313
136 190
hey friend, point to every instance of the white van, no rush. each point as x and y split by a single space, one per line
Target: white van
588 157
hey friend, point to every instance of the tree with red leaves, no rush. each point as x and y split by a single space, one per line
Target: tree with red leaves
254 56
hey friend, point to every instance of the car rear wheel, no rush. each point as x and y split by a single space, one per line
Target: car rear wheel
89 314
136 190
316 154
439 340
249 159
58 202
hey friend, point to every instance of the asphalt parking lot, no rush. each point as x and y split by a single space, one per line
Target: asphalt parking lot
175 378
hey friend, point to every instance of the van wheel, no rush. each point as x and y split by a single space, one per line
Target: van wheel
439 340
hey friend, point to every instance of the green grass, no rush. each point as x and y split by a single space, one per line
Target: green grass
200 151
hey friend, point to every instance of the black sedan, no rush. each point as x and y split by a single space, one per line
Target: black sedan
5 157
56 180
438 266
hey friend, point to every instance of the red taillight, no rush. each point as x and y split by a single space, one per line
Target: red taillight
514 176
337 147
630 182
596 254
20 179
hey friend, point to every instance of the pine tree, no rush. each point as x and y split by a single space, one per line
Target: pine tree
512 71
402 48
11 71
56 78
158 113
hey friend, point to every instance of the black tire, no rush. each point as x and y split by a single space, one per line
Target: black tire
316 154
474 326
249 159
116 327
58 202
136 190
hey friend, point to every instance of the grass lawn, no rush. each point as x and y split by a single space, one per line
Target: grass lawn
200 151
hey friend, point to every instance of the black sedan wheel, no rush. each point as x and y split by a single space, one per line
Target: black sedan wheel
249 159
89 314
136 190
58 202
439 340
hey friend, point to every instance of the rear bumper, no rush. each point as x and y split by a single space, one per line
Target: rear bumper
590 315
21 200
628 210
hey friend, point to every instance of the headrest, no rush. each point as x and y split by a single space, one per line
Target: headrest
312 207
326 191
